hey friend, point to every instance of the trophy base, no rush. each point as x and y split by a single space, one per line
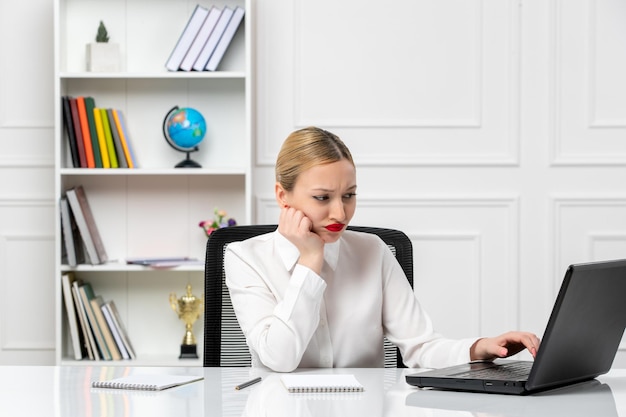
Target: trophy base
188 352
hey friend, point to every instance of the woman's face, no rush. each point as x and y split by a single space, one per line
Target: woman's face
326 194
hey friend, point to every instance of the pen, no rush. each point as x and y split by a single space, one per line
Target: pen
247 384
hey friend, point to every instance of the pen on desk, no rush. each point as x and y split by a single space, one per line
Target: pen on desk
247 384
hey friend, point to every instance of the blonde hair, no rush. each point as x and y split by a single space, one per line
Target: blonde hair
304 149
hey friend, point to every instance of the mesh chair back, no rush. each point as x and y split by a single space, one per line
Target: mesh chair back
224 342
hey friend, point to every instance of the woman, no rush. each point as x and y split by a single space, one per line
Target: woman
312 294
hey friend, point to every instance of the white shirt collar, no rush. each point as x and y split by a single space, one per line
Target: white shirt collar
290 254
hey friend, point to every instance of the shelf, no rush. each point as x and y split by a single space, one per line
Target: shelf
151 171
154 75
123 267
147 361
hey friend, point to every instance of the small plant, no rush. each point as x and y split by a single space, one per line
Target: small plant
102 36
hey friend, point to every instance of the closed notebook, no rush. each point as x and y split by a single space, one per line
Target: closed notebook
321 383
146 382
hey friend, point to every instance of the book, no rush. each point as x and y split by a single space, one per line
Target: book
72 318
186 38
102 142
227 37
90 104
96 305
88 339
86 225
86 294
71 235
119 149
165 262
147 382
321 383
78 134
202 38
126 136
211 43
69 130
106 126
123 138
117 330
84 127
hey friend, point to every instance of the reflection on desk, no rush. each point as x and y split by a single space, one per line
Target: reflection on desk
36 390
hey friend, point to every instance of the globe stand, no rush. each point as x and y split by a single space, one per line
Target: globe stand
188 162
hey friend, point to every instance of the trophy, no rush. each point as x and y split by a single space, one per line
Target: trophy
188 308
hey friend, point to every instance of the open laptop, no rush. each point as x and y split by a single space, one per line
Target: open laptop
579 343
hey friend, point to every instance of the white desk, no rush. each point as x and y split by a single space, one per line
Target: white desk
65 392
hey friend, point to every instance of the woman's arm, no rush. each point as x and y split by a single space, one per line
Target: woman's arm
278 314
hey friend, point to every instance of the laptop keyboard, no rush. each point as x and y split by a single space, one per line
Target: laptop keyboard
509 371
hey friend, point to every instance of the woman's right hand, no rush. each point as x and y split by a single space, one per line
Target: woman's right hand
296 227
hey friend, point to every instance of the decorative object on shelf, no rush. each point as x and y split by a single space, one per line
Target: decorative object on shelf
184 129
217 223
103 56
188 308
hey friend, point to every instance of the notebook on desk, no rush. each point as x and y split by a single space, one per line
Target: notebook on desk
580 341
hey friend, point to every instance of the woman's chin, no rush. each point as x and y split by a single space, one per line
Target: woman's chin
330 237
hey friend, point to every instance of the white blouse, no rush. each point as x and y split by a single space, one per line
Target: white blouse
292 317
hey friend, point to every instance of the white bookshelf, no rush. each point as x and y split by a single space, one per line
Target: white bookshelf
153 210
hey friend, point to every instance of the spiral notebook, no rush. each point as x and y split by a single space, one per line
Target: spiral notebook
321 383
146 382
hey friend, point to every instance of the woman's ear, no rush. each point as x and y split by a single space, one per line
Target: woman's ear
281 195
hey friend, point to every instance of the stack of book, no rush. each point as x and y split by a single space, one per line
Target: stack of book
81 238
205 39
97 137
96 328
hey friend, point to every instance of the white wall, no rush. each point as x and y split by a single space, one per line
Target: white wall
490 131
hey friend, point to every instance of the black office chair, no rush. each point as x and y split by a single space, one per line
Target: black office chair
224 342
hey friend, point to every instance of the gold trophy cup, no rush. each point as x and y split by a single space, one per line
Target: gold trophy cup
188 307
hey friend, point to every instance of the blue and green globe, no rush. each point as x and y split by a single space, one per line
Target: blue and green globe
184 128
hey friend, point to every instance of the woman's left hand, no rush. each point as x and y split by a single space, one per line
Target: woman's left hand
505 345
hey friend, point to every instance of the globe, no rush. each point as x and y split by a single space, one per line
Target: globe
184 128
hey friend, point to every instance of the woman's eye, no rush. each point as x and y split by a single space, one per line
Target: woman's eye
321 197
349 195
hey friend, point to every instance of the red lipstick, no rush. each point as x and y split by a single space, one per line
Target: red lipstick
336 227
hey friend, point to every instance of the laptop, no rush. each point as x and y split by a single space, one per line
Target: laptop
580 341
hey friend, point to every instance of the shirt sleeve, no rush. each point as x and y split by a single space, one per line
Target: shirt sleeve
277 320
408 325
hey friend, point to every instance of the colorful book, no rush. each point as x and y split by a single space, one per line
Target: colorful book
131 151
119 149
213 40
121 131
69 130
227 37
78 133
84 126
90 104
201 39
187 37
102 142
109 139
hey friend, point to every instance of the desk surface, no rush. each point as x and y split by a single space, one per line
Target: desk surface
65 391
